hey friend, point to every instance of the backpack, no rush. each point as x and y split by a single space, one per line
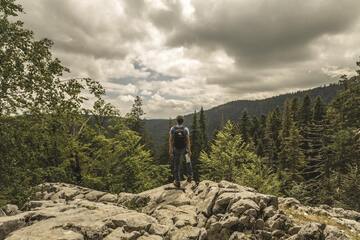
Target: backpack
180 135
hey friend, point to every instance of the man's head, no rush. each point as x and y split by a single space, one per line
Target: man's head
180 119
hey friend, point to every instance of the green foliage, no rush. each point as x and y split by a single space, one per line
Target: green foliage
135 121
272 139
230 159
202 130
245 126
46 133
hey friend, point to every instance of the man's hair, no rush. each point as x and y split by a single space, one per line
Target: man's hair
179 119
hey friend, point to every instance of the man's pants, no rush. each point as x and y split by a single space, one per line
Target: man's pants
178 155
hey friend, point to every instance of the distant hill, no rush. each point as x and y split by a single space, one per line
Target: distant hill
157 128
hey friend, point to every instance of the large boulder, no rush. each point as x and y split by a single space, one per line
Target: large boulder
210 211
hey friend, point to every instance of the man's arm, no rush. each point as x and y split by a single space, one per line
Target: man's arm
170 144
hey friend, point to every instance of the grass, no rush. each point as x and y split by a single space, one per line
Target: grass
300 218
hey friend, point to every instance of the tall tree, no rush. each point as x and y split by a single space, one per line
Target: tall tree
244 126
294 107
231 159
287 120
305 112
261 137
254 130
135 116
272 137
195 146
319 110
202 130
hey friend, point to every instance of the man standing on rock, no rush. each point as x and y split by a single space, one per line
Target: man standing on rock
179 148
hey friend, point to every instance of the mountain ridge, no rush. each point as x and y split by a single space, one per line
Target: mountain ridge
216 116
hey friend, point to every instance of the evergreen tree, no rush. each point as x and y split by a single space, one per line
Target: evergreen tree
272 138
305 112
319 110
195 147
294 107
244 126
261 137
231 159
287 121
305 119
202 130
254 130
135 116
291 159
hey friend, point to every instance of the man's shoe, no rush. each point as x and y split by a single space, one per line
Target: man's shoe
177 184
189 179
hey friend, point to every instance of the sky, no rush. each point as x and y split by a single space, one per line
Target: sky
179 55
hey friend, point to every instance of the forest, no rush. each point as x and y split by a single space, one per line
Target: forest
54 129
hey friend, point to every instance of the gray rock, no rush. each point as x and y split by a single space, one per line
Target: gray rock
289 202
242 205
278 233
109 198
239 236
186 233
158 229
12 223
333 233
133 221
120 233
251 212
294 230
269 212
150 237
11 209
210 211
263 235
94 195
279 222
201 220
2 213
312 231
229 222
259 224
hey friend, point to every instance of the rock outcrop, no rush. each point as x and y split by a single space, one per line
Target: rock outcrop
211 211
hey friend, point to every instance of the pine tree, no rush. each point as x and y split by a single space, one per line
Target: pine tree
295 109
291 159
254 130
195 147
272 138
261 137
244 126
135 116
319 110
287 120
305 111
231 159
305 119
202 132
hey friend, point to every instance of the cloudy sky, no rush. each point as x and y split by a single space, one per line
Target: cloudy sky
180 55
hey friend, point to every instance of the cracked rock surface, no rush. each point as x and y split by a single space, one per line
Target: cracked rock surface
210 211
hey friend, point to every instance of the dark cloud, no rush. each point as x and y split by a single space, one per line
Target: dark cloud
192 53
87 28
242 83
259 32
148 75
